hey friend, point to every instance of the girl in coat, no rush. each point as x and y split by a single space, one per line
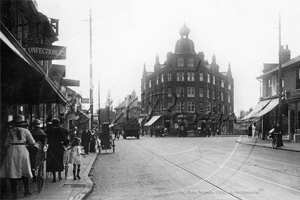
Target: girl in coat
75 157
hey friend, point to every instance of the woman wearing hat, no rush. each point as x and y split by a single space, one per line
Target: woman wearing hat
39 136
56 138
16 163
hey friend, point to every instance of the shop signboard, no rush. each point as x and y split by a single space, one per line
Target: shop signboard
47 52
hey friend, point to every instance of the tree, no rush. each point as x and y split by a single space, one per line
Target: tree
109 101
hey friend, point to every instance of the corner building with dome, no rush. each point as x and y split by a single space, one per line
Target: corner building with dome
188 89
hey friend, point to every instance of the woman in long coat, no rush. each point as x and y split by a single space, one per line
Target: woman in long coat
56 139
16 163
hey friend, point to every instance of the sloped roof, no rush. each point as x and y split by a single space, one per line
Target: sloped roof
136 104
149 73
288 63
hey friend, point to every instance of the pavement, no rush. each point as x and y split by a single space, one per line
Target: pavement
287 145
65 189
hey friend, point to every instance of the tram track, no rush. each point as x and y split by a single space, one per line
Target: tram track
193 174
220 166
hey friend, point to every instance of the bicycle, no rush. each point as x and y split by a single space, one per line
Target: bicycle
274 140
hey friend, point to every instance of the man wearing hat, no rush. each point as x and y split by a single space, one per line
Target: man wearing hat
16 163
56 139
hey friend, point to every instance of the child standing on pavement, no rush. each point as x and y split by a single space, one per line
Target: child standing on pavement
75 157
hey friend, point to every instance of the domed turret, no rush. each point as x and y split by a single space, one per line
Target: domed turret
184 31
184 45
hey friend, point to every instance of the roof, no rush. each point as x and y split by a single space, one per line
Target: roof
135 104
149 73
287 64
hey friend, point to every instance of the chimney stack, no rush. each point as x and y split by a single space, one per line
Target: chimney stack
285 54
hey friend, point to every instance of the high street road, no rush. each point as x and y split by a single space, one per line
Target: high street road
195 168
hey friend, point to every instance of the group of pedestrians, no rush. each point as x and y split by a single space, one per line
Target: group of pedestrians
21 145
252 130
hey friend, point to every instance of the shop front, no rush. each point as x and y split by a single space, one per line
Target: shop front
25 88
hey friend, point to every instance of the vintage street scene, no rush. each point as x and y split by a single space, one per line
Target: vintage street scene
150 99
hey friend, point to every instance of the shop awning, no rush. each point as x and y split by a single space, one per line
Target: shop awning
152 120
22 79
273 103
260 106
111 125
83 118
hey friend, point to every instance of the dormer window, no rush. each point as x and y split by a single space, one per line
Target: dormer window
180 62
191 62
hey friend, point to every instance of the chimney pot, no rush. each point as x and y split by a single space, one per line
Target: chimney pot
287 47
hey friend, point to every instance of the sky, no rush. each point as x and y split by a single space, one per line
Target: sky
127 34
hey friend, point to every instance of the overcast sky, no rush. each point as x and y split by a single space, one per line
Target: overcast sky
129 33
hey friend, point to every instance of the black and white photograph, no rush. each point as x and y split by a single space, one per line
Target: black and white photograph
150 99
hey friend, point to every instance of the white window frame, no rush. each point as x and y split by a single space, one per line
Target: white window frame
274 85
222 96
201 92
190 92
180 105
208 93
208 78
201 77
150 83
191 106
180 62
214 80
191 76
180 76
191 62
180 92
222 83
169 77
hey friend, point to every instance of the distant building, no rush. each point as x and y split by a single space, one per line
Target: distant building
198 85
134 109
266 112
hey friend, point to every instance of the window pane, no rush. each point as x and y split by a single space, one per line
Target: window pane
201 77
190 62
180 62
201 92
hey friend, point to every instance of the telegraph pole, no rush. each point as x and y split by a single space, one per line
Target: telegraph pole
91 73
279 87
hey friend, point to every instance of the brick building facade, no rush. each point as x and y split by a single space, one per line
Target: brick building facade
188 84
